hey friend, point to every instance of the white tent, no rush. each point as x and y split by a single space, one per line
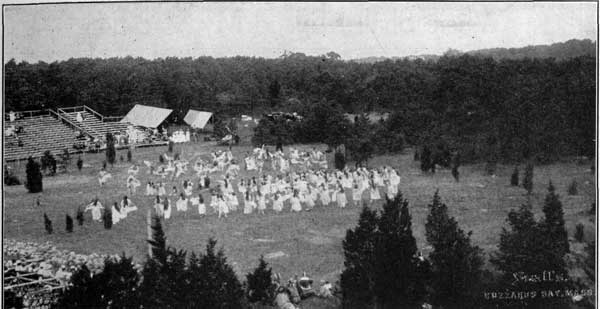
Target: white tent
147 116
197 119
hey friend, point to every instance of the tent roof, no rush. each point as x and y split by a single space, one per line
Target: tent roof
197 119
147 116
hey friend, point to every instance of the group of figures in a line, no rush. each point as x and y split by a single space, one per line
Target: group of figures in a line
300 181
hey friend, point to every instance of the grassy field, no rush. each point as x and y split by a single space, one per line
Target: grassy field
307 241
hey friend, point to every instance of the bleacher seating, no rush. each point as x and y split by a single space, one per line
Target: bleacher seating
94 126
40 133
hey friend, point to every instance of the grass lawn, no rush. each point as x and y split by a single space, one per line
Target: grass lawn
309 241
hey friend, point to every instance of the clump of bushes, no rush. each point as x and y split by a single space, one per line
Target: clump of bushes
514 178
572 190
579 232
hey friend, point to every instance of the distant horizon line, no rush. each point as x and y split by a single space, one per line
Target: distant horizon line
300 52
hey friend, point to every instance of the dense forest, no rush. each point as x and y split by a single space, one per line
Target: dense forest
488 109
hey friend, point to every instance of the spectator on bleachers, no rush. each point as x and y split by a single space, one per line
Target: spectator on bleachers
11 116
79 117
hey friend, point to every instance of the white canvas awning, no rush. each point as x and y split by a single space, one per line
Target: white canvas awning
197 119
147 116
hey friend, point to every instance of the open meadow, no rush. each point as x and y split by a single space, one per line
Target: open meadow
309 241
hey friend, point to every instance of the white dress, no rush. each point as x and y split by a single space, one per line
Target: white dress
356 194
181 205
167 212
325 198
341 199
295 201
262 204
96 211
248 206
116 215
278 204
374 192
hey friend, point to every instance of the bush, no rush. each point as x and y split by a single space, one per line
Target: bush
49 163
104 165
9 178
339 160
34 176
129 155
171 146
107 218
579 232
572 190
79 217
69 224
514 178
592 210
528 178
111 153
79 163
161 159
47 224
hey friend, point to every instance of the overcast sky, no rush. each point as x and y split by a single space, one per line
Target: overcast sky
354 30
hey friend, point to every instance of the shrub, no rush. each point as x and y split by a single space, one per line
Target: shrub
79 163
49 163
110 149
9 178
171 146
47 224
528 178
572 190
161 159
69 224
79 217
579 232
107 218
514 178
129 155
592 210
104 165
34 176
339 160
260 287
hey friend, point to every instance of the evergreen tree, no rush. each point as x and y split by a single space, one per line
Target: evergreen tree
83 292
171 144
398 283
47 224
456 264
553 224
339 160
34 176
69 224
514 178
129 156
223 290
525 251
357 279
455 173
426 163
79 217
158 241
572 190
107 218
259 284
528 178
110 149
165 283
161 159
79 163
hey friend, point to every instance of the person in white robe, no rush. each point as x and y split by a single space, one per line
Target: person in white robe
198 201
261 203
374 192
356 194
78 117
222 206
133 170
132 184
324 195
278 203
161 189
295 202
116 213
103 177
249 204
167 208
96 208
182 203
149 189
127 206
341 199
159 207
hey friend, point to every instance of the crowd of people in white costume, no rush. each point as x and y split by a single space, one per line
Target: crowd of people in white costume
276 182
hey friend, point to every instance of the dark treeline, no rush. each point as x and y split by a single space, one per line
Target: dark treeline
487 109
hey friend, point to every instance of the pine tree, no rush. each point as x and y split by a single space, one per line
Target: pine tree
572 190
110 149
82 293
161 159
171 144
426 163
455 172
398 283
69 224
49 163
259 284
526 251
80 216
528 178
47 224
224 289
107 218
456 264
34 176
158 241
129 156
514 178
165 283
339 160
553 224
79 163
357 279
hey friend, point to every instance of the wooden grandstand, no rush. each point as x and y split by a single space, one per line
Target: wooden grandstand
55 131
